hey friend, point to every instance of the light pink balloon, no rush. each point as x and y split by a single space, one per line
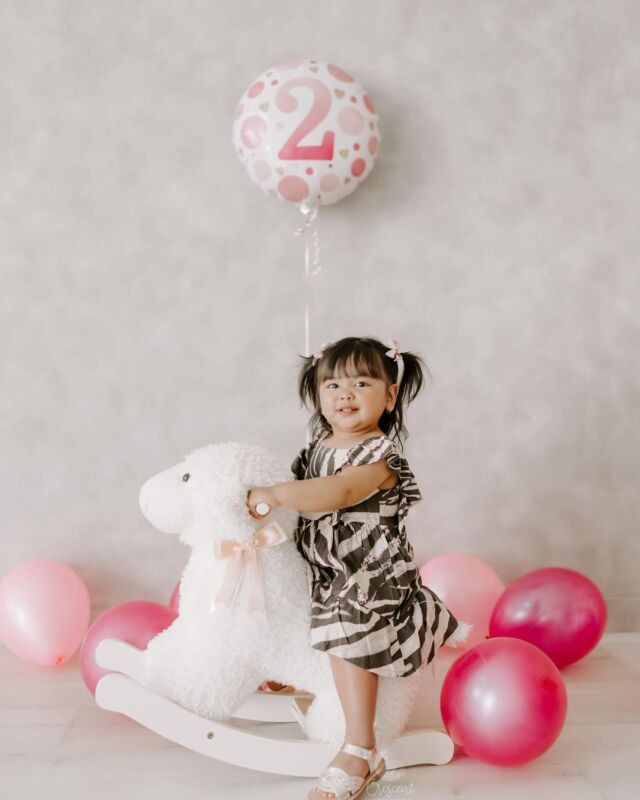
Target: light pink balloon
44 611
503 701
468 587
135 622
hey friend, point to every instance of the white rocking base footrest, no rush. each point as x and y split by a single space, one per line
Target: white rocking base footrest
123 692
119 656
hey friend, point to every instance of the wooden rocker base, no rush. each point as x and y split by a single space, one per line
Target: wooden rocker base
122 691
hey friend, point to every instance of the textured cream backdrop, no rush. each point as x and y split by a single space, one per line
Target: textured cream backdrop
152 295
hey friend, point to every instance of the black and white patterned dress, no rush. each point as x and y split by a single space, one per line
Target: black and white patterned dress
367 603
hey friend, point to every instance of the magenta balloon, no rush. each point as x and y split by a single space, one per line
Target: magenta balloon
136 622
504 701
560 611
44 611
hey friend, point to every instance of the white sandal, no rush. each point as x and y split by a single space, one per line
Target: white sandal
345 786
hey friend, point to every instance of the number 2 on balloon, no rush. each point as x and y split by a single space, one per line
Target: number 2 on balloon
291 150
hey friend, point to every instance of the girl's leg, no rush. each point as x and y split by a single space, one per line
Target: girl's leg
358 692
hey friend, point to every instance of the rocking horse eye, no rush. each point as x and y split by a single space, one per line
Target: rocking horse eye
186 476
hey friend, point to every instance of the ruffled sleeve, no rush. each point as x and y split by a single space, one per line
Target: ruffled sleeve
372 450
300 462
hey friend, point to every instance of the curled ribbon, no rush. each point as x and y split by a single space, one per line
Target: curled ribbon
243 566
311 241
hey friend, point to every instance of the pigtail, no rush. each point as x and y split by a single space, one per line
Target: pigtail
410 387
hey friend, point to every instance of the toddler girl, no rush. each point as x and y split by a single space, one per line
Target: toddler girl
353 490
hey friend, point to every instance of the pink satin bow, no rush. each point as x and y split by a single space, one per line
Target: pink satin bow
243 565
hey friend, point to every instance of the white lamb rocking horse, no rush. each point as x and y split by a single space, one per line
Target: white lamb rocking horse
198 677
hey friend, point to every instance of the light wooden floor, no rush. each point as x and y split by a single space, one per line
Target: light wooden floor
56 743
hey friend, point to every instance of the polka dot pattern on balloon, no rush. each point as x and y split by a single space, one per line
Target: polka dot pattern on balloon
358 167
293 188
351 121
256 89
338 73
263 170
329 183
254 131
306 130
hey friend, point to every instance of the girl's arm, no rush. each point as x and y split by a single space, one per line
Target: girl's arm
313 494
345 489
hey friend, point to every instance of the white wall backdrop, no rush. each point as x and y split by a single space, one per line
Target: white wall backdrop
152 295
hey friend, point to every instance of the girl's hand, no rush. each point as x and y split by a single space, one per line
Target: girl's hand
260 494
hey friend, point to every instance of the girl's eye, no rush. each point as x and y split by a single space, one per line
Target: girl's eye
186 476
335 384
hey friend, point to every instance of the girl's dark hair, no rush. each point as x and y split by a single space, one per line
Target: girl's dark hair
356 355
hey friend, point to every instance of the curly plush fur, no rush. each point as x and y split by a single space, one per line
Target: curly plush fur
210 663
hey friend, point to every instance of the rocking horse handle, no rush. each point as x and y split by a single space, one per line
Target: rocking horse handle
263 509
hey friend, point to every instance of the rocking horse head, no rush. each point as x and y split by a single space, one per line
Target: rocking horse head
203 498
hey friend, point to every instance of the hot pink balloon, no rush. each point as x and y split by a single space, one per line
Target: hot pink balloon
504 701
560 611
44 611
136 622
468 587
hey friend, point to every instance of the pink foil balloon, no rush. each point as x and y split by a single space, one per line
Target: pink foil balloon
560 611
136 622
306 131
44 611
468 587
504 701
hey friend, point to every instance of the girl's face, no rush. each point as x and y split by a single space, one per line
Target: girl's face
354 405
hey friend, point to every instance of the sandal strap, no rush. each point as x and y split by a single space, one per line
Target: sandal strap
339 782
361 752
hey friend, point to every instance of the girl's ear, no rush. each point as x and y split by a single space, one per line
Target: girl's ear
392 395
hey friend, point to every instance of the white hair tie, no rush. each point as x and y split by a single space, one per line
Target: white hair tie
318 355
395 353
